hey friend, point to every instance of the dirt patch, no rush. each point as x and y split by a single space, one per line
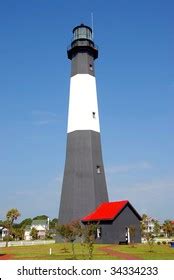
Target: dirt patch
6 257
120 255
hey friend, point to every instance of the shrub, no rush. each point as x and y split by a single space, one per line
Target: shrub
164 242
158 242
8 238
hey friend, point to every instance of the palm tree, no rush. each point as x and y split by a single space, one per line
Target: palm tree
167 227
11 216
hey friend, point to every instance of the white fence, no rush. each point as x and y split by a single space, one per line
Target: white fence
156 239
27 243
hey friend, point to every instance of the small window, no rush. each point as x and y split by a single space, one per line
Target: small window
98 168
90 67
99 232
93 115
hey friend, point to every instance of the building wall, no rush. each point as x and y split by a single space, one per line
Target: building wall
115 231
27 235
3 233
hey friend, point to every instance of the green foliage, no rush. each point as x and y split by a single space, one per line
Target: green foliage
168 228
41 252
11 216
26 222
74 230
150 240
34 233
7 238
18 233
69 233
156 229
53 224
41 217
89 232
132 232
144 224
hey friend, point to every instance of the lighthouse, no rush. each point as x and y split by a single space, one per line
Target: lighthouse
84 184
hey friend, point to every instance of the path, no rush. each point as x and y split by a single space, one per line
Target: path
6 257
120 255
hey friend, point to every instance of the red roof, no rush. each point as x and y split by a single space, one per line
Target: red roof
106 211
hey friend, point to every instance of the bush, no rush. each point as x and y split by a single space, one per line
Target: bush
164 242
48 237
7 238
158 242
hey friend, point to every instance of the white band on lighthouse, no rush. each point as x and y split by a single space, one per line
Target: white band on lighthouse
83 107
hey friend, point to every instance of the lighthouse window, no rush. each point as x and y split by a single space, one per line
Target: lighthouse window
93 115
90 67
98 169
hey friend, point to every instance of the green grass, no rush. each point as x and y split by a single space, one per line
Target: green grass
159 252
41 252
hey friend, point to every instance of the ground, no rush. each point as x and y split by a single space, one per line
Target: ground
106 252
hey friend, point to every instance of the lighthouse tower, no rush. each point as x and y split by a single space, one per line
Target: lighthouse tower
84 184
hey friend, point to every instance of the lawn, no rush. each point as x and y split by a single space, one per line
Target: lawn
159 252
41 252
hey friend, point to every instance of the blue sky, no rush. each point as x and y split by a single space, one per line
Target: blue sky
135 82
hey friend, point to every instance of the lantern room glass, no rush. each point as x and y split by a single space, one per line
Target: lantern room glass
82 33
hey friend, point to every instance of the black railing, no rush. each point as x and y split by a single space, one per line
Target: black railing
82 43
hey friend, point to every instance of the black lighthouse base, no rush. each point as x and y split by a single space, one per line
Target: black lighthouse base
84 184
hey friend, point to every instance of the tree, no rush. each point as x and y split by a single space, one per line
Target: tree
150 240
53 223
11 216
144 224
132 232
149 225
168 228
41 217
156 229
69 233
89 232
18 233
63 231
34 233
26 222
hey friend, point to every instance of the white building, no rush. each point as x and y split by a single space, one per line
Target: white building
149 224
42 226
3 232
